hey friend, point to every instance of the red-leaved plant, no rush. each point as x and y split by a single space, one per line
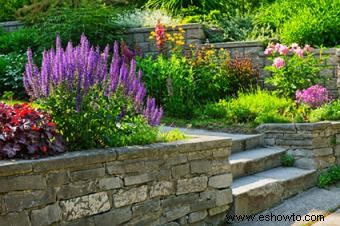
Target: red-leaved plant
27 133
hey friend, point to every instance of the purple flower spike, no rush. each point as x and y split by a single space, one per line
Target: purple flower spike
82 67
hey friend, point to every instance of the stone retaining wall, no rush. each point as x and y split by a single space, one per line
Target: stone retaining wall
10 26
180 183
314 145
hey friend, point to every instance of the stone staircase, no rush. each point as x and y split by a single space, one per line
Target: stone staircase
259 179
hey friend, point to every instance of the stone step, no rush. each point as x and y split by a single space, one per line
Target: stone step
258 192
241 142
331 220
255 160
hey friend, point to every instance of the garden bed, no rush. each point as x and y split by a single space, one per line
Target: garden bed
167 182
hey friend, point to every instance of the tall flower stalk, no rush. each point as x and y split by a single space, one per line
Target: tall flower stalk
83 67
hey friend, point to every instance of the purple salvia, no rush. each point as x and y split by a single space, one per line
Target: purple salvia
83 67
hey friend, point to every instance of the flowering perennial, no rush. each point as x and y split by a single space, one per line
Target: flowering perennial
82 67
279 49
314 96
26 132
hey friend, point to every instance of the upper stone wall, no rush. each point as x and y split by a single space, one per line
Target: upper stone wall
184 182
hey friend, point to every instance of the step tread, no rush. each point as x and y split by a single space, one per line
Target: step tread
202 132
279 174
255 154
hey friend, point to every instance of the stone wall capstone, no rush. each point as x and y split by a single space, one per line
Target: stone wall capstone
179 183
314 145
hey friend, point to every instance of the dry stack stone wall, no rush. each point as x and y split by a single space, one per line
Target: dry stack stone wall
180 183
314 145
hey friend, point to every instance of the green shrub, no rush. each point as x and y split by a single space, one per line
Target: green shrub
326 112
18 41
292 72
94 21
9 7
12 67
288 160
171 135
329 177
170 81
255 108
313 22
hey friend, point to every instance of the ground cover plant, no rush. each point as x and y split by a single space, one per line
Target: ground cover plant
27 133
329 177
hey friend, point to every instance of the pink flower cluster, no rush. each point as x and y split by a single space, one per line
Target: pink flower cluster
314 96
279 49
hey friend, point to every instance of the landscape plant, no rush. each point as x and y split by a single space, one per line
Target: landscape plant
293 68
93 104
314 96
27 133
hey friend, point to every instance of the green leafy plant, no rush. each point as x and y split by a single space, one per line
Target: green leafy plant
293 68
313 22
18 41
171 82
255 108
94 21
12 67
329 111
172 135
329 177
288 160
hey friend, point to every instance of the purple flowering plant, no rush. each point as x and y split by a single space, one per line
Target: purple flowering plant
96 98
293 68
314 96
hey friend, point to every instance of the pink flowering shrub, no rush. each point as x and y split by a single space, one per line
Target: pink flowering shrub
293 68
314 96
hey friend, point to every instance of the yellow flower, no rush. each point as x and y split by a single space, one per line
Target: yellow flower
153 33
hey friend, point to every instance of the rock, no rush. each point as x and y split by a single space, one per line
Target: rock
139 179
114 217
134 195
46 215
110 183
180 171
162 188
15 219
197 216
195 184
221 181
20 183
85 206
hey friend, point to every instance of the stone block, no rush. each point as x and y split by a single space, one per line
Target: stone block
147 207
201 204
207 154
223 197
220 166
20 183
76 189
88 174
85 206
110 183
201 166
197 216
57 179
322 151
221 181
173 201
8 168
180 171
172 214
218 210
195 34
46 216
195 184
221 153
16 201
138 37
176 160
138 179
114 217
15 219
134 195
162 188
